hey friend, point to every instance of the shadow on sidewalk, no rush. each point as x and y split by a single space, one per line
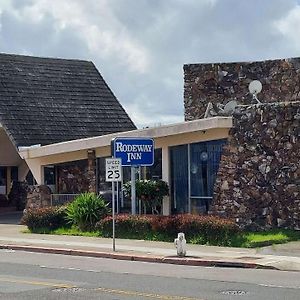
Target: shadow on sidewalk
12 218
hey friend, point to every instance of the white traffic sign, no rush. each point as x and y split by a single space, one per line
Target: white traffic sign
113 169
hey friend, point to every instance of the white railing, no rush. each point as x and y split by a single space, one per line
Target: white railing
61 199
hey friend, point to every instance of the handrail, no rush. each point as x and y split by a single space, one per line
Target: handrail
61 199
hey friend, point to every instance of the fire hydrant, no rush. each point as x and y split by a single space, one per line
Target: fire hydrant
180 244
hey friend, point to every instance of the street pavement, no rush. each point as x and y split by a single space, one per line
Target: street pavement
282 257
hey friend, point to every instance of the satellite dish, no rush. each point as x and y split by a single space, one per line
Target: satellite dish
230 107
255 87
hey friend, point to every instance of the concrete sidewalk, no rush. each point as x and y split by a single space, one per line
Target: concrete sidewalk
11 237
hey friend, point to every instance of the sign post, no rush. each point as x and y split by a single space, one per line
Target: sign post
134 152
133 193
113 173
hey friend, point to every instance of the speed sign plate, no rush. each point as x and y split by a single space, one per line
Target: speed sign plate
113 169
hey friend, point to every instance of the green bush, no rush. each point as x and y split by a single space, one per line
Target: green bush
86 210
198 229
45 219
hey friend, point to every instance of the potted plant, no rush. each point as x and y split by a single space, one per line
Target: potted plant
150 192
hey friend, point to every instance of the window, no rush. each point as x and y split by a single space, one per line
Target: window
194 169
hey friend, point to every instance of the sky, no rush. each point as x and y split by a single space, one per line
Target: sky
140 46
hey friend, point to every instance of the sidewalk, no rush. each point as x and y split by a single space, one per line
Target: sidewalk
11 237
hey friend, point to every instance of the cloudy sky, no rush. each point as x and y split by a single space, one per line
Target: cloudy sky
140 46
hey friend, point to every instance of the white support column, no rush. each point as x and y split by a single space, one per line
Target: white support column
166 178
37 170
22 171
8 180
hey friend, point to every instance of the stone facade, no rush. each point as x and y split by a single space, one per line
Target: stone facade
78 176
220 83
91 170
258 182
73 177
38 197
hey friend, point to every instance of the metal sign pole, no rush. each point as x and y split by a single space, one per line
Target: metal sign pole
113 214
133 194
118 206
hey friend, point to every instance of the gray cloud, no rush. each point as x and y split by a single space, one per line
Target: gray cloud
140 46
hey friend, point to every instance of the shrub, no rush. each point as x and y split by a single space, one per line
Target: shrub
208 229
46 219
86 210
198 229
126 226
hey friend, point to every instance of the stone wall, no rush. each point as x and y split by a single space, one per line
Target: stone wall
78 176
73 177
38 197
258 182
220 83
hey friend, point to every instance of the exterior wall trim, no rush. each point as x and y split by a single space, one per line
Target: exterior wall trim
102 141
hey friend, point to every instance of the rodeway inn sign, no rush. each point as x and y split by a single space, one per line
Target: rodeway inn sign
134 151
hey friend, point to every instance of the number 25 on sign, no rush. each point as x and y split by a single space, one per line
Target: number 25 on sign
113 170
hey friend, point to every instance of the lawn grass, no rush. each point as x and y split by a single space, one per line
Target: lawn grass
244 239
64 231
265 238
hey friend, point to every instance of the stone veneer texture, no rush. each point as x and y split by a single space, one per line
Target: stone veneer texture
258 181
222 82
73 178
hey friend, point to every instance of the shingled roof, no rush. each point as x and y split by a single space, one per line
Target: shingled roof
47 100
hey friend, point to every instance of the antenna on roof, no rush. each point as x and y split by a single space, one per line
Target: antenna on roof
255 88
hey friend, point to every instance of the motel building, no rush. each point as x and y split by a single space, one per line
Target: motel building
186 156
57 121
58 118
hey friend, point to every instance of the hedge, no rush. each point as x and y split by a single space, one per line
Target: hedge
198 229
48 218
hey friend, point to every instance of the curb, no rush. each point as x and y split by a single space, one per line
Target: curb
154 259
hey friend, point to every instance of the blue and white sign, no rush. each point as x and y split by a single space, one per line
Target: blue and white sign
134 151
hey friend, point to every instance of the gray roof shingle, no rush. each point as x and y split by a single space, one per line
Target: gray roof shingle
49 100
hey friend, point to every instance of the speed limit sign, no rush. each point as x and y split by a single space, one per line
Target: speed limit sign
113 170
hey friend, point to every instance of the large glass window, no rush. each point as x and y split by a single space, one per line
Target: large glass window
194 169
179 179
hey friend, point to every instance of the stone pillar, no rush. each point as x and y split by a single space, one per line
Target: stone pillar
38 197
91 172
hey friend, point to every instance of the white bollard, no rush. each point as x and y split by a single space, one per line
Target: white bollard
180 244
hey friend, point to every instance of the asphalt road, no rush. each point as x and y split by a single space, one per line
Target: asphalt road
25 275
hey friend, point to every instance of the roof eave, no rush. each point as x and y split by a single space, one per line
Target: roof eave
36 151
